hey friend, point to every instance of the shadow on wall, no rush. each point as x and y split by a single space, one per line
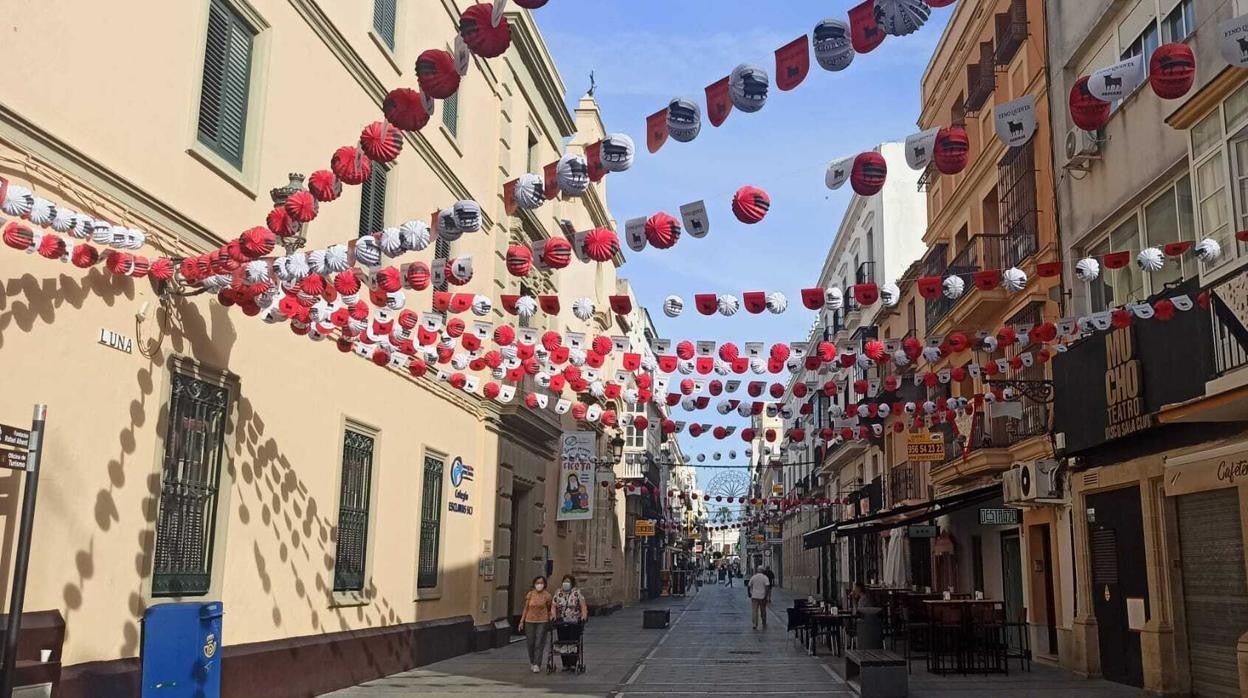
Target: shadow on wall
269 499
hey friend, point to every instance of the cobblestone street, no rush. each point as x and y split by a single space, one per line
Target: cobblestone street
709 649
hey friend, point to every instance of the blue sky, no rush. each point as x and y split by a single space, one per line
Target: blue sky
643 53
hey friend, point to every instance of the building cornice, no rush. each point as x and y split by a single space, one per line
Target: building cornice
527 42
1208 97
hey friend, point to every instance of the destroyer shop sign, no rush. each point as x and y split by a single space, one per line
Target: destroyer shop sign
460 474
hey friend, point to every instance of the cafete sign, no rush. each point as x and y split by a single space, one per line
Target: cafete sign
1208 469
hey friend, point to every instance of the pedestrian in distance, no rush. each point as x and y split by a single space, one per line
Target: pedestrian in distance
758 589
729 577
539 610
771 577
571 612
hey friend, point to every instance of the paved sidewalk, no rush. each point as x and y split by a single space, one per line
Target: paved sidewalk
709 650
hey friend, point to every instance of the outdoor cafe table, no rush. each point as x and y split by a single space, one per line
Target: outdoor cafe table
964 634
834 622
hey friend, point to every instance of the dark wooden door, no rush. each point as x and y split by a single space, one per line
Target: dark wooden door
1116 546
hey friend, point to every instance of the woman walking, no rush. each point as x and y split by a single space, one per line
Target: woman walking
570 616
535 622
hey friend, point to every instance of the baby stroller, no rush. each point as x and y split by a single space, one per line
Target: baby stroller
568 641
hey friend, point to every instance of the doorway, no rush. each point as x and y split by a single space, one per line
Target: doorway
1116 547
1050 606
518 556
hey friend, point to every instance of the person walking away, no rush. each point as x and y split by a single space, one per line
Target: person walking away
771 577
570 614
758 589
535 621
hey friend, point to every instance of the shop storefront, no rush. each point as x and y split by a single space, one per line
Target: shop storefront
1160 598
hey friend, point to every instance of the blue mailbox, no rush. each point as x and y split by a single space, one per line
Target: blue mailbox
181 651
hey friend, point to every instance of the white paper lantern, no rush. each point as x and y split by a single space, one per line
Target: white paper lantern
685 366
368 251
684 119
901 17
673 306
833 48
833 298
1150 259
481 305
1208 250
890 294
530 191
526 307
777 302
617 152
1087 269
954 286
931 354
901 358
747 87
577 357
414 235
18 200
1013 279
573 174
583 309
728 305
390 240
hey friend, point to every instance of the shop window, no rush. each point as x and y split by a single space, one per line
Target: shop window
977 562
428 569
226 83
190 474
353 510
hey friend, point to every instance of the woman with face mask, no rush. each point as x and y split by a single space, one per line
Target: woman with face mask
535 621
571 612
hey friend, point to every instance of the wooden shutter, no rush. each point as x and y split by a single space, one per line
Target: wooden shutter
450 114
226 83
384 15
373 202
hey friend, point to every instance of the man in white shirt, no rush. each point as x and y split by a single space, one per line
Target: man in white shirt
759 591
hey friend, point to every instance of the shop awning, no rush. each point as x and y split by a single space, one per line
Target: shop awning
901 516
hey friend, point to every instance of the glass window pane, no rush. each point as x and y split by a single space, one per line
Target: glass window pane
1128 281
1210 193
1187 218
1236 108
1206 134
1161 226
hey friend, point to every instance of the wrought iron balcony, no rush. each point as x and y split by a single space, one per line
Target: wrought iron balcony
908 483
981 79
1011 31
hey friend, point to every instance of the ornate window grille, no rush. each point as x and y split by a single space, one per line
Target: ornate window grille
357 473
430 523
190 472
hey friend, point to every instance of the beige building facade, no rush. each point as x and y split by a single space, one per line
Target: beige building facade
325 503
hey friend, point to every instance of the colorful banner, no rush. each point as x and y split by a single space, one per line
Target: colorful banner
576 477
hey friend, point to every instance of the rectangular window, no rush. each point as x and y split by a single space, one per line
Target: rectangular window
384 16
1017 204
450 114
635 438
1117 286
373 202
531 154
430 523
190 473
1179 23
354 492
1168 219
223 93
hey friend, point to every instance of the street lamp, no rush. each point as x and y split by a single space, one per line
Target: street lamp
296 239
617 447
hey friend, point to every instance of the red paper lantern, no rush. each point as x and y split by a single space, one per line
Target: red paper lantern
436 74
480 35
662 230
1088 112
1172 70
952 150
750 204
558 253
405 108
868 174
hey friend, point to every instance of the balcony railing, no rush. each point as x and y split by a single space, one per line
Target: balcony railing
981 79
908 482
865 273
983 251
1011 31
1228 351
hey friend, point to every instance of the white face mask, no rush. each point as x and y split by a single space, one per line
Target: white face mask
539 586
567 586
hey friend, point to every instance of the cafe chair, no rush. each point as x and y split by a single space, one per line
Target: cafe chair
797 623
915 632
1017 639
988 648
947 635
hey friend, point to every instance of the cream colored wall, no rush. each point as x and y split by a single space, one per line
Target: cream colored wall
128 156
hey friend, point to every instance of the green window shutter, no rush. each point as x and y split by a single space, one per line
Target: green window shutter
226 82
384 15
373 202
441 250
450 114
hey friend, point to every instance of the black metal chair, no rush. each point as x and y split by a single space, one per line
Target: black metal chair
1017 640
988 649
947 640
797 623
916 632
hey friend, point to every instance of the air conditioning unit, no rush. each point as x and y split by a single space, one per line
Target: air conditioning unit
1012 486
1039 482
1081 148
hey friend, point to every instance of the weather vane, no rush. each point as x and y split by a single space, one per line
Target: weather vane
592 85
